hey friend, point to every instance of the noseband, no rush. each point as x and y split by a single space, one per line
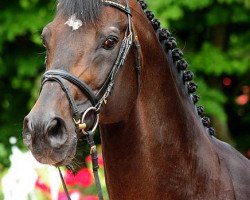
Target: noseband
99 98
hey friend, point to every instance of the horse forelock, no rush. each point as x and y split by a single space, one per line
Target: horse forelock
85 10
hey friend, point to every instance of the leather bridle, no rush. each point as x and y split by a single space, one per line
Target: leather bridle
97 99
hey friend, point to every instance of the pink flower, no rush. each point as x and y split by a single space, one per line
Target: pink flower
74 194
62 196
84 177
42 186
242 99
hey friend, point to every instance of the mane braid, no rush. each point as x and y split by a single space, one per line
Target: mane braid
169 45
86 10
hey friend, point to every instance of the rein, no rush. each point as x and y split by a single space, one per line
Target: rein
97 100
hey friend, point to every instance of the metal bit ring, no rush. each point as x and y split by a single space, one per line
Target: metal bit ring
96 120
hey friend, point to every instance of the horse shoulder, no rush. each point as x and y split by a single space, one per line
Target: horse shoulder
237 167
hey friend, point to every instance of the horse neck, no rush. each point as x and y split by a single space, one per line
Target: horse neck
163 138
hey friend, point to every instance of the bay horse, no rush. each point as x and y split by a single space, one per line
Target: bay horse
111 62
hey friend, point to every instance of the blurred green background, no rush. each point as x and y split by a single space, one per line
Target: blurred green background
214 35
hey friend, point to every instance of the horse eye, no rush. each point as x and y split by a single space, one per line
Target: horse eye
110 43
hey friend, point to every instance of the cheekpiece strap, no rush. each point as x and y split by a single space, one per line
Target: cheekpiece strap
118 6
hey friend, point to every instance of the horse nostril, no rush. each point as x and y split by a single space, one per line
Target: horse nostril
54 128
56 133
27 132
26 125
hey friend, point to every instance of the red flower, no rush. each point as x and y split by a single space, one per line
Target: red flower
227 81
84 177
42 186
69 178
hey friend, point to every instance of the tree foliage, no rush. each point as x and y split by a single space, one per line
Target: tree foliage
21 61
214 34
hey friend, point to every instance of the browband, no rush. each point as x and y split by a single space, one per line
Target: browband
118 6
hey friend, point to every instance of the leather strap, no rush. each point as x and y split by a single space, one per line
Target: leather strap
74 80
117 5
65 88
64 184
95 165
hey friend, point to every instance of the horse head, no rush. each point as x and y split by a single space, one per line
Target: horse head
85 52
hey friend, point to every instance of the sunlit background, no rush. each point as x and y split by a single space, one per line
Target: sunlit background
214 36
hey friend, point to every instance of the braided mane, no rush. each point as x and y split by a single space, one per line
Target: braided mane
169 44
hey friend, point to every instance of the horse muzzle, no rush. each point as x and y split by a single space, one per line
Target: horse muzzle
49 139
